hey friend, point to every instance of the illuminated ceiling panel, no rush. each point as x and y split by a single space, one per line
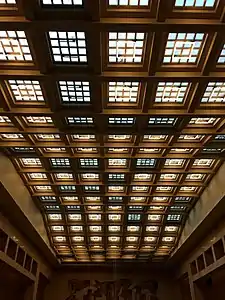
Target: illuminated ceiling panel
114 143
195 3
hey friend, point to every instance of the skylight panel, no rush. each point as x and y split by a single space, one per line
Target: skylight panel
64 3
172 92
142 176
154 218
68 47
83 137
38 120
91 188
116 176
5 119
183 47
214 93
115 199
203 162
134 217
155 137
221 59
126 92
146 162
12 136
47 136
60 176
26 90
117 162
128 3
152 228
55 217
67 188
162 121
47 198
175 218
31 162
195 176
121 121
119 137
160 199
126 47
7 1
90 176
195 3
193 137
140 188
14 46
168 177
80 120
175 162
203 121
88 162
60 162
37 176
74 92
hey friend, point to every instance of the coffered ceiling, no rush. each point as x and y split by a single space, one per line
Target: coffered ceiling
113 114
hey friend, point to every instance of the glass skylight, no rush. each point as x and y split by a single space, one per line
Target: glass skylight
128 2
115 176
74 91
4 119
117 161
214 93
162 121
88 162
65 3
31 162
80 120
175 162
172 92
7 1
60 162
203 121
126 47
183 47
68 46
14 46
146 162
126 92
121 120
26 90
195 3
221 59
38 120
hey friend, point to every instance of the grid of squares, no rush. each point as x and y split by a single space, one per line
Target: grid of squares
183 48
126 47
65 3
26 90
171 92
74 92
195 3
14 46
221 59
68 47
126 92
214 93
120 181
129 2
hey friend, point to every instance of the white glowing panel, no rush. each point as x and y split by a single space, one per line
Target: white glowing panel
128 3
214 93
126 47
172 92
26 90
74 91
14 46
183 47
126 92
68 47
